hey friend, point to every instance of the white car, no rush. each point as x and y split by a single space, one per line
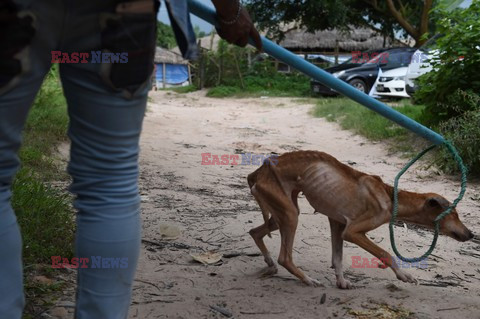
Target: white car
392 83
421 63
421 59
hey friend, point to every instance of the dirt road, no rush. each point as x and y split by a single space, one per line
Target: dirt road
213 209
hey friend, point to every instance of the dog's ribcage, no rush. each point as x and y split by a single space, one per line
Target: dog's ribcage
330 192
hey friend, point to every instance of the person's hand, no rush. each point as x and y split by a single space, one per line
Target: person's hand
235 24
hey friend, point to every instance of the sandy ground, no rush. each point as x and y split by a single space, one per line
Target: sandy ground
213 208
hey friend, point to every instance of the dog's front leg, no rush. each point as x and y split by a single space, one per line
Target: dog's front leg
361 240
257 234
337 229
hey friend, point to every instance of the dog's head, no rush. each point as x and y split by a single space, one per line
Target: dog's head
450 225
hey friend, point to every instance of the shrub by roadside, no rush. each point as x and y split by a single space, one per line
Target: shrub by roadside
455 70
464 132
277 84
451 92
242 72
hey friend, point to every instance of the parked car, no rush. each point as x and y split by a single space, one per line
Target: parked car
420 63
392 83
352 62
364 76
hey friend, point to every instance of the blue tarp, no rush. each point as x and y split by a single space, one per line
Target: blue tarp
175 73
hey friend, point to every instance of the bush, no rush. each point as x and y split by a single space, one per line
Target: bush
295 85
228 72
464 132
456 68
223 91
184 89
451 91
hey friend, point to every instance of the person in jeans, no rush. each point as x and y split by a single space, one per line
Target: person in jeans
106 106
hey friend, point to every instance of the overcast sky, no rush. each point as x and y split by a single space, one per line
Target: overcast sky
204 26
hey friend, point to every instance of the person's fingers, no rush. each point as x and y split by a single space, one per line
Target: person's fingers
256 39
242 41
220 33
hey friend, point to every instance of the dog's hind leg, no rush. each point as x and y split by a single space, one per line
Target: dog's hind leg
284 214
288 227
337 229
257 234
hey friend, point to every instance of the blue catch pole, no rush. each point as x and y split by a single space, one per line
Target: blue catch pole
208 14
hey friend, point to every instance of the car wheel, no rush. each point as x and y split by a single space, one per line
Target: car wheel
359 85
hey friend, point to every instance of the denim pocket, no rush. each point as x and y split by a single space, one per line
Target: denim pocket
16 33
129 32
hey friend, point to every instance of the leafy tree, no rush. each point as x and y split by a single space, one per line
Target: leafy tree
199 33
409 17
451 91
165 36
455 70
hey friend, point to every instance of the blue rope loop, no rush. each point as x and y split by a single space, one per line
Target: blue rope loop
436 225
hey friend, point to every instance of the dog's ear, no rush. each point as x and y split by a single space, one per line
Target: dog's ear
437 202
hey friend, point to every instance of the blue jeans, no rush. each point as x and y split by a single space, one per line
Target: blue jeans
106 106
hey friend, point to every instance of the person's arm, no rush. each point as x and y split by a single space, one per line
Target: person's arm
235 23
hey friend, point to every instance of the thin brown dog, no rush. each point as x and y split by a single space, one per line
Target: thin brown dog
354 202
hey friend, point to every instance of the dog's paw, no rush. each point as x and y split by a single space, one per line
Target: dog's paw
312 282
406 277
344 284
269 272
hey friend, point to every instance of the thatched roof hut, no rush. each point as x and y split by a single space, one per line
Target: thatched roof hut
167 56
171 69
360 39
299 40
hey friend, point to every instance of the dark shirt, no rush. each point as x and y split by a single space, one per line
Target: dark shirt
182 27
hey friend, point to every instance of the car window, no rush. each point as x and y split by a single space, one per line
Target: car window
378 58
431 44
347 61
366 57
399 58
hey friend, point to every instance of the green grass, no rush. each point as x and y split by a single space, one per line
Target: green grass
274 85
224 91
185 89
45 217
45 128
357 118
